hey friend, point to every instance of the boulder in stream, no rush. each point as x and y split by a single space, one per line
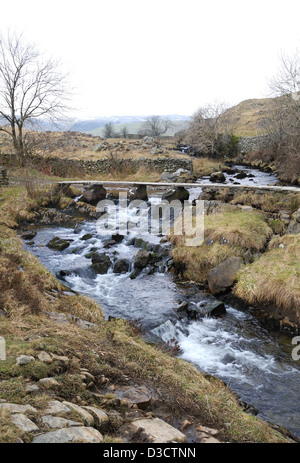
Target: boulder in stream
221 278
58 244
94 194
101 263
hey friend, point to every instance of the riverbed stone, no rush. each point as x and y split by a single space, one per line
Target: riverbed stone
94 194
217 177
179 193
139 193
221 278
58 244
101 263
158 431
72 434
141 259
121 266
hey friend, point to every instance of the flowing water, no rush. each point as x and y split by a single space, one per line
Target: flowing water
255 363
254 177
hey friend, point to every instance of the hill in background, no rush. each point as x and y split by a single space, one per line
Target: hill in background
250 117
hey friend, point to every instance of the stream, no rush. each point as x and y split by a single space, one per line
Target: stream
254 363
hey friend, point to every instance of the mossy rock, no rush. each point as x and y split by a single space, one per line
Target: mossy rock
58 244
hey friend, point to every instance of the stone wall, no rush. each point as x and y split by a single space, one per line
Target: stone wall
64 167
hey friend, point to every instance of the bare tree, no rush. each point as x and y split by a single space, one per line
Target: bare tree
210 127
109 131
283 125
155 126
31 89
124 132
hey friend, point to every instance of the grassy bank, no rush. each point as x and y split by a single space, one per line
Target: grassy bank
231 233
113 352
273 279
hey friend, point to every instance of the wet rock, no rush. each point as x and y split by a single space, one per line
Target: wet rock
178 193
158 431
214 309
140 396
72 434
217 177
118 238
121 266
24 359
28 234
23 423
141 259
222 277
139 193
58 244
241 175
101 263
87 236
94 194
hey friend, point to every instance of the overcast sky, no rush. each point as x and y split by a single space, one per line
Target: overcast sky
134 57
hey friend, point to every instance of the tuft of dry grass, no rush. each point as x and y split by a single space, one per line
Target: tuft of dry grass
227 234
274 278
206 166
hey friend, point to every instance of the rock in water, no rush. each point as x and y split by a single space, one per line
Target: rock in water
101 263
178 193
217 177
139 192
221 278
94 194
58 244
141 259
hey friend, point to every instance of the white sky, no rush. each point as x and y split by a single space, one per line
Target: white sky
134 57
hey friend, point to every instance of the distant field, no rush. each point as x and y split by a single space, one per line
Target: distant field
134 127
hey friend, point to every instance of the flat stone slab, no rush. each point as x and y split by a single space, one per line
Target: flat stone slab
16 408
158 431
23 423
55 407
140 396
54 422
73 434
